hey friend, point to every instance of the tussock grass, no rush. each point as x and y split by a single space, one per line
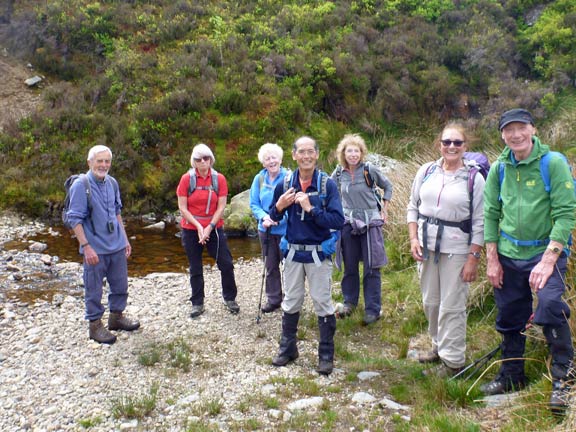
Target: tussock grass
135 407
437 404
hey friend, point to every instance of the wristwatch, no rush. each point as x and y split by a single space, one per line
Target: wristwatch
475 255
554 249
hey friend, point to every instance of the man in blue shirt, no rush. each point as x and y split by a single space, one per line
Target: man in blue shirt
313 226
104 244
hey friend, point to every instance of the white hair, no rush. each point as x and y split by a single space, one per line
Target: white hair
270 149
98 149
200 150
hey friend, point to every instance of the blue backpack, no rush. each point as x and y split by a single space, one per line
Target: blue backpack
320 185
545 174
544 170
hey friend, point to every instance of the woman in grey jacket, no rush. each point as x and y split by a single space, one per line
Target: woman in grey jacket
446 236
362 238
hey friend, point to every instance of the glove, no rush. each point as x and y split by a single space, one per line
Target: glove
329 245
284 245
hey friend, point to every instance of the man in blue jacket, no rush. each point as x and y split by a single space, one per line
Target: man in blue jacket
315 217
103 242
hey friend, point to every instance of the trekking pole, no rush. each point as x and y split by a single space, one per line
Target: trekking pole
471 370
482 361
265 245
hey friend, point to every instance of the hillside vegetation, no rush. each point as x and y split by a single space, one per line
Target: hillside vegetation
152 78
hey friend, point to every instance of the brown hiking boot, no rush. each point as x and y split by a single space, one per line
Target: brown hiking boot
100 334
118 321
429 357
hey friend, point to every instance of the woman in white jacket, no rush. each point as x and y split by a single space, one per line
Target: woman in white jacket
446 237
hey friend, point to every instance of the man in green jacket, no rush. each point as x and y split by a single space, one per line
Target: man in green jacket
526 231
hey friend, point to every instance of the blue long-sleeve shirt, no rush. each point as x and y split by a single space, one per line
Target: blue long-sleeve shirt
314 227
261 195
106 205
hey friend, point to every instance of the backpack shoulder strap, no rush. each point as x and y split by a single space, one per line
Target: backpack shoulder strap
338 175
430 168
367 175
214 175
322 187
192 185
287 181
545 167
473 170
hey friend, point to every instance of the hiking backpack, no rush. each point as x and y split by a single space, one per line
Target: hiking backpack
321 189
480 164
544 170
545 174
192 186
86 183
213 187
376 191
67 185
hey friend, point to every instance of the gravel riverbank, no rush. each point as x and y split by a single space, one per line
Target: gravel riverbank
212 372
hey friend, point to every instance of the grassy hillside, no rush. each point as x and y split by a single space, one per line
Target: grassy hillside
151 79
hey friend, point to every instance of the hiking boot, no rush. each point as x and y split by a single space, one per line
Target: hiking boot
268 308
346 310
282 359
119 321
370 319
501 385
232 306
442 371
429 357
560 397
325 367
288 347
100 334
197 310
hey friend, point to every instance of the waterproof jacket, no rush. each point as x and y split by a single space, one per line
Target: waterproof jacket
261 194
312 228
522 208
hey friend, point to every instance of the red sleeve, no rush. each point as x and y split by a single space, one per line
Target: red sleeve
182 189
222 186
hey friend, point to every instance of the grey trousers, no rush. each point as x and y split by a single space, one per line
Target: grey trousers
320 285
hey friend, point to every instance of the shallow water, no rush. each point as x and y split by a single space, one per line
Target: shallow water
152 250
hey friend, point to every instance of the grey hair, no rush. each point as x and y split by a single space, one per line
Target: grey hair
98 149
270 149
200 150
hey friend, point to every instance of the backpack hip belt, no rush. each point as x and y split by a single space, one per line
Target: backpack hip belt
463 225
292 248
517 242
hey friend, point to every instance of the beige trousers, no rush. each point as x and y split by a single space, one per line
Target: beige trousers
444 295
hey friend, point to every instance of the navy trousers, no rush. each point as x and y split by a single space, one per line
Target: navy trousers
514 299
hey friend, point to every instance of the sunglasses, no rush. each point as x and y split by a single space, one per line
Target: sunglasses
203 158
447 142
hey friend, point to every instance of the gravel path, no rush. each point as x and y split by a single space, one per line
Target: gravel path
52 377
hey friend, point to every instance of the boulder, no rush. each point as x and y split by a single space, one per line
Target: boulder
238 218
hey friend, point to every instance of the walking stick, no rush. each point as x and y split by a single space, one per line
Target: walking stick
265 245
471 370
482 361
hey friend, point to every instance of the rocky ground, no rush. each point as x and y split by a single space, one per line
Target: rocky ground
16 99
211 372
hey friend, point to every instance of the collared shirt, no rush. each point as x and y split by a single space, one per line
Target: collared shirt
106 205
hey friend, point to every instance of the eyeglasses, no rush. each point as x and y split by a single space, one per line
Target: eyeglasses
308 152
447 142
203 158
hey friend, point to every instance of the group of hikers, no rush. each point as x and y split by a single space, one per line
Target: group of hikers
522 213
